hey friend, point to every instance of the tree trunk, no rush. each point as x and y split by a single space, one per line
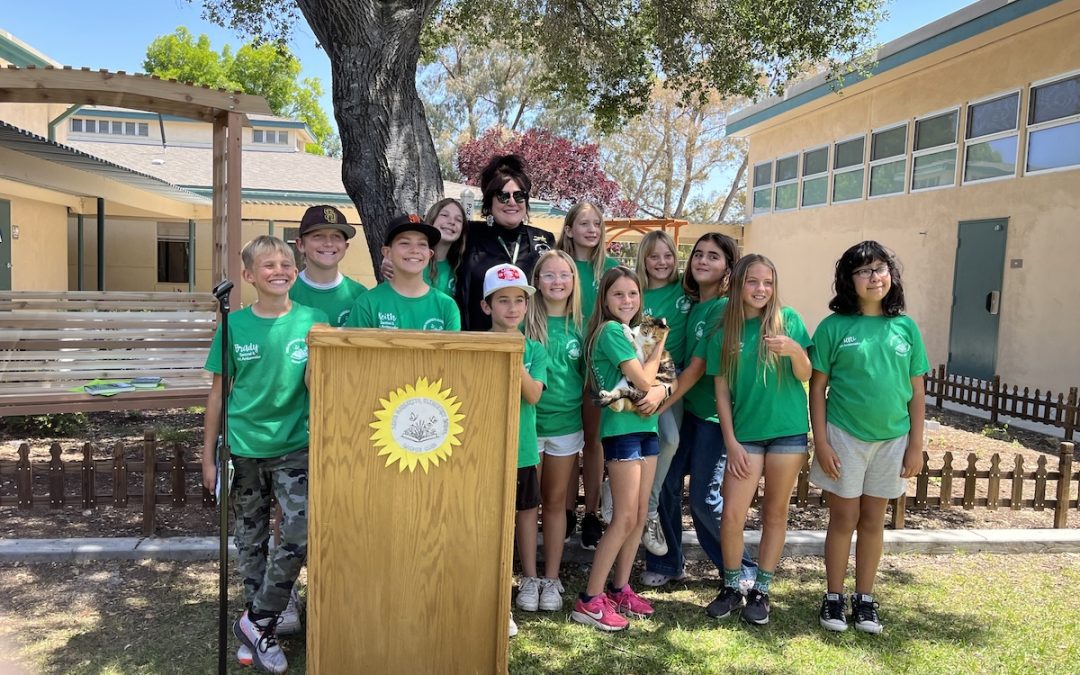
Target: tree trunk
389 165
734 188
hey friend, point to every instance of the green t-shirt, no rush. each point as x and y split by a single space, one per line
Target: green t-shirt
765 403
590 283
670 303
536 364
383 307
444 277
612 348
559 411
870 361
337 302
704 317
268 403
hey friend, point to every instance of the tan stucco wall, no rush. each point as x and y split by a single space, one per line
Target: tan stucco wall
1040 320
33 117
38 255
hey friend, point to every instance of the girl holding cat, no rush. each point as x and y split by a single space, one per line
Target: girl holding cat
759 360
630 447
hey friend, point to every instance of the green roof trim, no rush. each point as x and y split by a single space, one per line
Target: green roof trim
980 24
17 55
290 196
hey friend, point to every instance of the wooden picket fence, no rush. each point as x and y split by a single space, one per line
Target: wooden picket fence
106 481
152 481
995 397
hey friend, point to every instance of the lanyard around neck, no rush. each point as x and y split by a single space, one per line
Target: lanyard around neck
517 248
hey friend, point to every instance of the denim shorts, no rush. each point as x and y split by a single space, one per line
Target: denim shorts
630 447
782 445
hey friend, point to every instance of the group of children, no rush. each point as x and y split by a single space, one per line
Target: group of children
747 420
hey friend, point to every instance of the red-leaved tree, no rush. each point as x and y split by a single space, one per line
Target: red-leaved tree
561 172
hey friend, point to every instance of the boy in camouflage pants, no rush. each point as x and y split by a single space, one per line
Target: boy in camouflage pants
268 436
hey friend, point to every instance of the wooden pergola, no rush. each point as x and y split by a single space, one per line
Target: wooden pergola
226 110
617 227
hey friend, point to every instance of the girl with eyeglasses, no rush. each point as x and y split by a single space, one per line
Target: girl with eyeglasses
504 236
554 320
867 408
582 238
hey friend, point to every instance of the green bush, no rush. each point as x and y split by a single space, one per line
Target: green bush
58 424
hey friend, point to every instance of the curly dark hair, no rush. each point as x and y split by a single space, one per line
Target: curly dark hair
846 300
499 171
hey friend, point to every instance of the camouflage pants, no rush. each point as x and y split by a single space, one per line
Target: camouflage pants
269 576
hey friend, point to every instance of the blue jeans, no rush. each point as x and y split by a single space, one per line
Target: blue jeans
703 457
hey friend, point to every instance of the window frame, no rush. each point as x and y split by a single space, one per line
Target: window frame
954 146
997 135
902 157
754 188
793 181
834 172
824 174
1042 126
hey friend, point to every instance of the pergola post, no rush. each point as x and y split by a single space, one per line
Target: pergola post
226 201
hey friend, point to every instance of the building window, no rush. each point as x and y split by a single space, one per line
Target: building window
787 183
848 169
763 187
270 137
1054 125
934 151
888 160
76 125
991 137
815 176
172 260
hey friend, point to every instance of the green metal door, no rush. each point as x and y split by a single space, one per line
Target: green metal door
5 245
973 329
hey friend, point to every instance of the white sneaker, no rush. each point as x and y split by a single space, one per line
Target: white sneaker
261 638
653 536
290 616
607 505
657 579
528 597
551 591
513 626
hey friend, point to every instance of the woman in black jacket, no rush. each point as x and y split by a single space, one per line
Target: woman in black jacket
504 236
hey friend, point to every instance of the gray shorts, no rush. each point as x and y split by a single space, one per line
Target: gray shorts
869 468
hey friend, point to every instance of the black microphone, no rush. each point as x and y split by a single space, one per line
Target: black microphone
222 290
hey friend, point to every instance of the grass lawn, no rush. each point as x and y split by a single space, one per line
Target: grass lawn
943 614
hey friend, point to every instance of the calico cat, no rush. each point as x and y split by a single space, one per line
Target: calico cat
644 337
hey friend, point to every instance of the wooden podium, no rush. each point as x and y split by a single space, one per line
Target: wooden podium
410 550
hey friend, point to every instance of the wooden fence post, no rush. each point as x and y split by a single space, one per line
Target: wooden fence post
149 482
1072 414
946 481
940 383
993 487
119 476
89 482
56 477
1061 508
1040 485
898 506
969 483
995 400
179 478
24 478
1017 496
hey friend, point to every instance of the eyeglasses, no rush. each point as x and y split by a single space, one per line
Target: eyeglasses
550 276
867 272
520 196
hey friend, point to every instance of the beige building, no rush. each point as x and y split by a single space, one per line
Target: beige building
961 153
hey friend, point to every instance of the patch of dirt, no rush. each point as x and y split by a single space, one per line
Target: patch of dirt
959 434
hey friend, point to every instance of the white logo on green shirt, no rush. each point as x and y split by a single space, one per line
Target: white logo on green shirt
296 350
683 304
573 349
387 320
248 352
434 324
898 343
849 341
343 317
699 329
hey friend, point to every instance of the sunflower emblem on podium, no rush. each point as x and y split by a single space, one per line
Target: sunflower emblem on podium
419 424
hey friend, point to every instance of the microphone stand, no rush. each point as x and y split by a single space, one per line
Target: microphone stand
221 292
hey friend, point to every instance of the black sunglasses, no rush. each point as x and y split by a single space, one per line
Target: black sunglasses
520 196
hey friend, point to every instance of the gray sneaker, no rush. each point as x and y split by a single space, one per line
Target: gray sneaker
727 601
756 610
290 616
261 638
653 537
528 597
551 591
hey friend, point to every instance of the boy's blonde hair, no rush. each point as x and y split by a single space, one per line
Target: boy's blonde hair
261 245
565 243
645 249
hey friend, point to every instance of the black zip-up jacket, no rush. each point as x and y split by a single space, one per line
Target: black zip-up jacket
483 250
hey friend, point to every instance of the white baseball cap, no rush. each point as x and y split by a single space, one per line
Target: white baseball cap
505 276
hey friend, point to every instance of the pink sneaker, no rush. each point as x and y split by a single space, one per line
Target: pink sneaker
598 612
629 602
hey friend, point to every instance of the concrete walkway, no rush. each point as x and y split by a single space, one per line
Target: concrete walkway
799 543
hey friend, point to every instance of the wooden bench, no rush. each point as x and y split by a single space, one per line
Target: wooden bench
54 342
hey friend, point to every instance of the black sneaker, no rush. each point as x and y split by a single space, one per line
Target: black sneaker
726 602
756 610
591 531
832 612
864 613
571 524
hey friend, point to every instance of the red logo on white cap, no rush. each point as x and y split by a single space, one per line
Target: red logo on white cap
508 274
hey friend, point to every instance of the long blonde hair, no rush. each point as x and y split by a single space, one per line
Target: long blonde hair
536 315
772 320
601 314
565 243
646 247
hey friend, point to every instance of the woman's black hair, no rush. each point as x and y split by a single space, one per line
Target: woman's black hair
499 171
846 300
